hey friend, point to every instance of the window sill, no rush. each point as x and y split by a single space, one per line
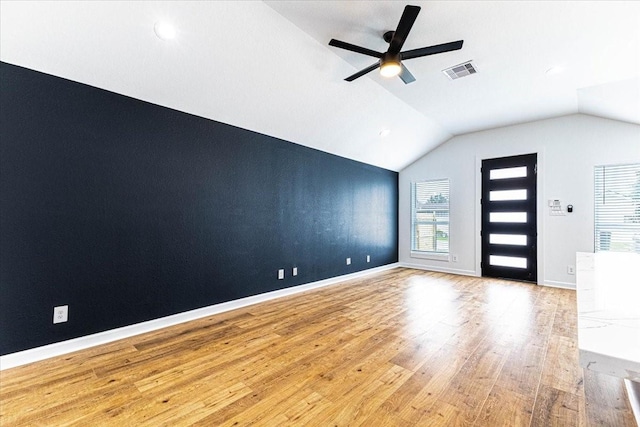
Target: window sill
430 255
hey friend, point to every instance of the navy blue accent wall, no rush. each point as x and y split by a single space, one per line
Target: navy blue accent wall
128 211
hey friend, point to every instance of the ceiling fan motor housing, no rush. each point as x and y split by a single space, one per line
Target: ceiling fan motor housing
390 58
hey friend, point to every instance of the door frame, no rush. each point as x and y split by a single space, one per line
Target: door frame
541 218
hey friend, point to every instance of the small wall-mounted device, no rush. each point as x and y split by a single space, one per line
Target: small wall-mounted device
569 208
555 207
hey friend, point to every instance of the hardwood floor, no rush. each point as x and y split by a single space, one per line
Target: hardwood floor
400 348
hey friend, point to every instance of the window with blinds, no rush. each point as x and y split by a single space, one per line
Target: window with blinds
617 208
430 217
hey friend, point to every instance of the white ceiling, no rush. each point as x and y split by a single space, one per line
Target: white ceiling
266 66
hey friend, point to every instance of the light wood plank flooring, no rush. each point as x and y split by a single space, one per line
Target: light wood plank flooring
400 348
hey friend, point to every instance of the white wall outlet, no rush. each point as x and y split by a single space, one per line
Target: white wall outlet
454 258
571 269
60 314
295 271
348 261
281 274
368 258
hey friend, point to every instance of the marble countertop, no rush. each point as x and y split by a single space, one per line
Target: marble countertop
608 294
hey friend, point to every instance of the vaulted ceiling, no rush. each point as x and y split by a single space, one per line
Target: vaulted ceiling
267 66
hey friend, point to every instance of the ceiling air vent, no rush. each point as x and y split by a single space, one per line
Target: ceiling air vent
460 70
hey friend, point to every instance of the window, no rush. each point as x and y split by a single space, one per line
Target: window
430 219
617 208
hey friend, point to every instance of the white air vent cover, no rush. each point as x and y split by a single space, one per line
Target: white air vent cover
460 70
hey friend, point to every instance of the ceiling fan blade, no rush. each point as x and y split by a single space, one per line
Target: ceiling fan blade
363 72
354 48
404 26
405 75
431 50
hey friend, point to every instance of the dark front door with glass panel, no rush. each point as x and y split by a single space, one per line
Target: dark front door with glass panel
509 233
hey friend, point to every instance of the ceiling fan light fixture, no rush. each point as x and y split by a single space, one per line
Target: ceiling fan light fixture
390 69
390 65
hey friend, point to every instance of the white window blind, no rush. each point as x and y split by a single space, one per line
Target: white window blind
430 216
617 208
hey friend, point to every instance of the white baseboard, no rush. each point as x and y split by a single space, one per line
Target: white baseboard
57 349
550 283
562 285
439 269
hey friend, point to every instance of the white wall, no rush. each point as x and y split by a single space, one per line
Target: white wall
568 148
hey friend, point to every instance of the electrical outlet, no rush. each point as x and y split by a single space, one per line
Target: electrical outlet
368 258
281 274
571 269
60 314
348 261
295 271
454 258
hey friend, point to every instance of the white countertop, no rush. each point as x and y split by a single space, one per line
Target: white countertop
608 294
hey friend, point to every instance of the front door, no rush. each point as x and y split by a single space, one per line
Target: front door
509 232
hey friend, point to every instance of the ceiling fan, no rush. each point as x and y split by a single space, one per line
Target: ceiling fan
390 62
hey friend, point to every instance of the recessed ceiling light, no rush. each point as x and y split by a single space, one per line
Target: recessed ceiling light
384 132
164 30
554 70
